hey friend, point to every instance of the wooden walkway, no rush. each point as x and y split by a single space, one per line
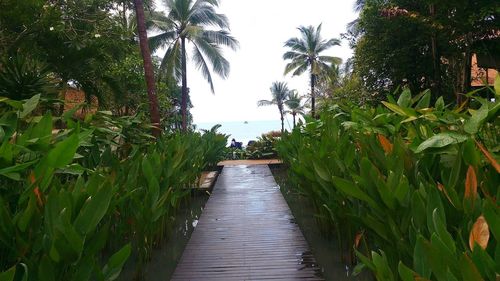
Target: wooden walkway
246 232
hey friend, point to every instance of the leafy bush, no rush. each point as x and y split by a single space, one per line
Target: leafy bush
264 147
410 188
76 202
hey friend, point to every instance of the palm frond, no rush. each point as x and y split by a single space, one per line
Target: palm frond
171 62
162 39
201 63
214 54
292 55
324 45
206 15
331 60
221 37
265 103
297 66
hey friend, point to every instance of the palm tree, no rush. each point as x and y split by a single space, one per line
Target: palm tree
280 92
305 54
188 21
148 67
294 104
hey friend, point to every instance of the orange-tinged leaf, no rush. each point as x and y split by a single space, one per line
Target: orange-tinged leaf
443 190
357 239
386 144
480 233
488 155
38 193
471 184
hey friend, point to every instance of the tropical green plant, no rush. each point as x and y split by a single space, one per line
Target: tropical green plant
213 148
305 54
295 106
408 189
70 198
280 93
21 78
188 21
264 147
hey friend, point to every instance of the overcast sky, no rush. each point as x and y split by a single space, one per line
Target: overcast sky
262 27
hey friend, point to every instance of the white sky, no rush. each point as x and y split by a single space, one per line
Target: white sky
262 27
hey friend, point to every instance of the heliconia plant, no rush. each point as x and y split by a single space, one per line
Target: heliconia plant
409 188
76 203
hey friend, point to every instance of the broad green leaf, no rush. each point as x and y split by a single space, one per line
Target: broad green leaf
474 123
406 112
14 169
441 140
154 187
444 235
439 104
383 272
27 214
406 273
420 262
46 270
8 275
86 266
492 216
404 99
484 263
115 264
351 189
93 210
365 260
425 101
471 154
469 270
13 103
321 171
62 154
29 106
43 130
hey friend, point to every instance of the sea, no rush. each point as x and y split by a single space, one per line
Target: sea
243 131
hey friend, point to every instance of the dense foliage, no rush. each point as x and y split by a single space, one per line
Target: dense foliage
409 189
90 45
76 202
423 44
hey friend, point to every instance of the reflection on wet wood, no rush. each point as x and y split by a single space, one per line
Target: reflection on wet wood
247 232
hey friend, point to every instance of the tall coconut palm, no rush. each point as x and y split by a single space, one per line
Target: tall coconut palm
305 54
194 22
279 92
148 67
294 104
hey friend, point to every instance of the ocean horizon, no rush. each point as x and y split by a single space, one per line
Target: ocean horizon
243 131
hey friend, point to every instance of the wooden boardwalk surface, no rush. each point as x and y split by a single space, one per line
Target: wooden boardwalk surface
246 232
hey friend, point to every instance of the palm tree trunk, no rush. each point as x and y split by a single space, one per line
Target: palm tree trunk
282 122
148 68
313 96
184 85
293 114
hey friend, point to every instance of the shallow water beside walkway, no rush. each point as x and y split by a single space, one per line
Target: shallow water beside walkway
247 232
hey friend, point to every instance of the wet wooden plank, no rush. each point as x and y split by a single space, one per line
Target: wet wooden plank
247 232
